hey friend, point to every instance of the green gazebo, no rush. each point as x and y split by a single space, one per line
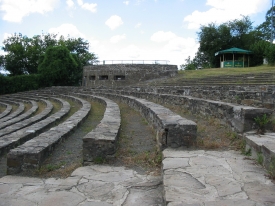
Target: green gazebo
234 57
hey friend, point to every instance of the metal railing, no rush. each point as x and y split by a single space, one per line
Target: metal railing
131 62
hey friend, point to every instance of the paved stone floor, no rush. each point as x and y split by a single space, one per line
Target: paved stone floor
87 186
213 178
190 178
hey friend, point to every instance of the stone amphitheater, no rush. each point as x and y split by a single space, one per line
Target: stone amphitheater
32 128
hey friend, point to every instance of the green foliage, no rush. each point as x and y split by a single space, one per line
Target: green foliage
261 123
19 83
189 65
24 54
270 54
99 160
59 68
271 169
260 158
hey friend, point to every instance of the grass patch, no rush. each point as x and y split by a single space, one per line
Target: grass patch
27 106
14 108
96 114
56 106
2 109
41 107
189 74
135 136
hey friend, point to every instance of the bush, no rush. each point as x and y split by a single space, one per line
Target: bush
19 83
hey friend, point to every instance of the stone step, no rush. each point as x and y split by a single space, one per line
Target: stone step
18 111
214 178
32 153
10 141
21 122
7 110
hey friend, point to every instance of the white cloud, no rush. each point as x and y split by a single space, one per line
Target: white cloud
138 25
70 3
15 10
126 2
67 29
162 36
113 22
117 38
225 10
89 7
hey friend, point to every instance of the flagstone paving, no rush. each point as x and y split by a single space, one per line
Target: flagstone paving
190 178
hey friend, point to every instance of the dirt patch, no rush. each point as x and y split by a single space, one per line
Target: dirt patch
211 133
67 156
137 146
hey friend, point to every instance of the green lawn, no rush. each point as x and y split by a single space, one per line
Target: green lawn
224 71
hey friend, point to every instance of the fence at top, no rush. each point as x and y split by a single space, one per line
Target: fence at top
131 62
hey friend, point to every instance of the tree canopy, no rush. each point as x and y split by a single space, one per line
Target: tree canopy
58 67
238 33
23 54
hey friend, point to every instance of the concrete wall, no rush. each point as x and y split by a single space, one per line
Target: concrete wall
113 75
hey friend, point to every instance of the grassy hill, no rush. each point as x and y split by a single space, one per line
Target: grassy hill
218 76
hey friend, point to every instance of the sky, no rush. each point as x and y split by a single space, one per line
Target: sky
127 29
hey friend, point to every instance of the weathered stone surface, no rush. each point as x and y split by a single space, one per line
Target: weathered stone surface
215 178
102 141
7 110
125 74
26 122
172 130
94 185
33 152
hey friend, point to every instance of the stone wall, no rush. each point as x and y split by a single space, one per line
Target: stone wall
124 74
239 117
258 95
172 130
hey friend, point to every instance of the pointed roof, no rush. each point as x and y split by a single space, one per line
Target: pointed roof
233 50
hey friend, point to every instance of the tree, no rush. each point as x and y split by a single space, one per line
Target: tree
213 38
266 27
24 54
189 64
58 67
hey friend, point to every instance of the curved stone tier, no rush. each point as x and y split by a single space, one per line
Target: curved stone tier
7 110
18 111
14 139
32 153
102 141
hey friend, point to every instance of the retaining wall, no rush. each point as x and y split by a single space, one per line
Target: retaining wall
239 117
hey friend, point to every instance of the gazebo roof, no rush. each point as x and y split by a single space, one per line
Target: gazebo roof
233 50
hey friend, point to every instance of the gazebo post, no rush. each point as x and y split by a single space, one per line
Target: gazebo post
220 62
233 60
243 60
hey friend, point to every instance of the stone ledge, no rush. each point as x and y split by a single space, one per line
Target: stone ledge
172 130
29 121
32 153
17 112
239 117
10 141
102 141
261 146
7 110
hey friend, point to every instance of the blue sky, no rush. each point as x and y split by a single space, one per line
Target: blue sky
127 30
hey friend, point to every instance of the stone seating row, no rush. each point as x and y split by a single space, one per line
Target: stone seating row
20 123
20 117
102 141
18 111
14 139
32 153
239 117
6 111
172 130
